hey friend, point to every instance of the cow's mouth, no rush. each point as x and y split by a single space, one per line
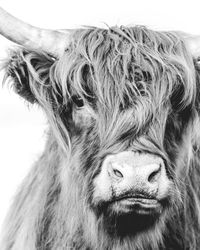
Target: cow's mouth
143 205
132 214
138 205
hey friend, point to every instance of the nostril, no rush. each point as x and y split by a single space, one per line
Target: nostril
154 175
114 171
117 173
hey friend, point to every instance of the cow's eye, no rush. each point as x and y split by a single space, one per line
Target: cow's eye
177 97
78 101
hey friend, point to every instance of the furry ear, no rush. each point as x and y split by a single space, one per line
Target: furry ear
17 70
27 70
197 71
32 76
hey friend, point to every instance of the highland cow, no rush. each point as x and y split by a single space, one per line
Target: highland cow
121 166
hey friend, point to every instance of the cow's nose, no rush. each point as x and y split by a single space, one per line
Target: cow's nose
144 174
132 174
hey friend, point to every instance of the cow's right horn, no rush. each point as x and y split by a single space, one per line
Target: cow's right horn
52 42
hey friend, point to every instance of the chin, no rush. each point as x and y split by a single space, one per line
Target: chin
134 223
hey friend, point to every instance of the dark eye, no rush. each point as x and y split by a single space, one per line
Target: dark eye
78 101
177 97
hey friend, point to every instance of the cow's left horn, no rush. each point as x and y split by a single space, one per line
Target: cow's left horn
52 42
193 42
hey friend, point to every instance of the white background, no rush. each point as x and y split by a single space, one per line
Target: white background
21 127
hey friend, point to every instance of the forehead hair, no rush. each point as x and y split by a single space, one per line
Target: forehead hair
121 66
111 70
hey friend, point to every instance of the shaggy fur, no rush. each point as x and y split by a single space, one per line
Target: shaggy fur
112 90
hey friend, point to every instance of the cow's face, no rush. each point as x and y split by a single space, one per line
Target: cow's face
125 100
132 119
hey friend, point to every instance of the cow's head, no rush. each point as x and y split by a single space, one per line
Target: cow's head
124 100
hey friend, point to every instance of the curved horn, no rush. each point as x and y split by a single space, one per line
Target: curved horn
193 43
50 41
